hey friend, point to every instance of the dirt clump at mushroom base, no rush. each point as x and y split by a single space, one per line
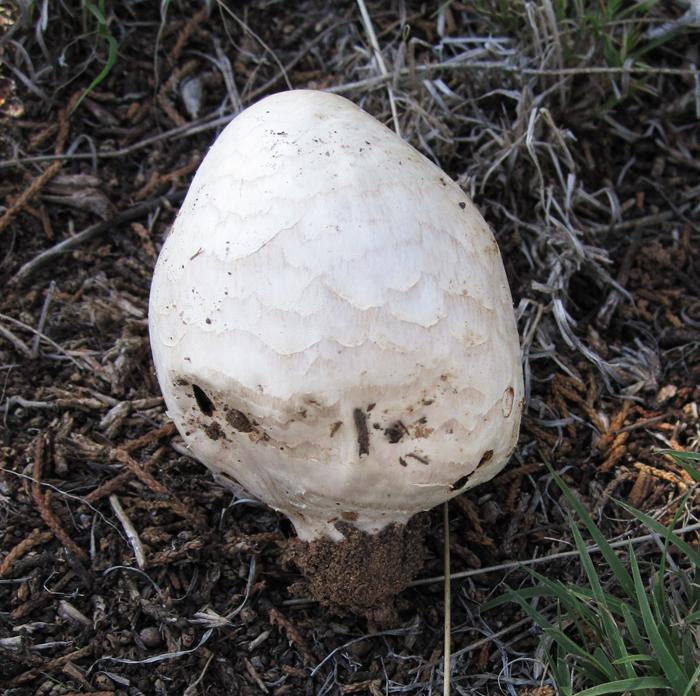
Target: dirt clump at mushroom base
364 572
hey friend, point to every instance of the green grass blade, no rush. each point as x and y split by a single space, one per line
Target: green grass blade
665 532
506 597
574 649
603 660
689 461
567 596
562 675
658 602
693 617
615 604
568 645
626 685
611 632
98 13
112 52
633 628
692 471
623 577
681 455
667 660
693 681
689 648
633 658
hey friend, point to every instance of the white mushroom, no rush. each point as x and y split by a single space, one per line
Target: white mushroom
331 322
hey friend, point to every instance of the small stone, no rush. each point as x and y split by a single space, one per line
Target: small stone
187 638
103 682
490 511
150 637
248 615
690 411
666 394
359 649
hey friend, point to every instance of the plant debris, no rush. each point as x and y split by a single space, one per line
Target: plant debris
576 135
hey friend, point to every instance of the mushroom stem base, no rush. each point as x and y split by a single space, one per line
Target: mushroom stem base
363 572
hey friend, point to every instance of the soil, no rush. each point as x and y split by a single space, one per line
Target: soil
124 568
364 572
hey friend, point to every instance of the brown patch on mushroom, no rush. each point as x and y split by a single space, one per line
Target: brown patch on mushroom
402 461
226 475
421 430
507 402
419 458
239 421
204 403
350 515
358 415
485 457
395 432
214 431
335 426
460 483
259 435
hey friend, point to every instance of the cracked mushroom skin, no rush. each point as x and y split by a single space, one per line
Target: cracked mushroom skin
331 322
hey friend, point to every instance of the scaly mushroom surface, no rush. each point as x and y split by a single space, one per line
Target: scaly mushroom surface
331 322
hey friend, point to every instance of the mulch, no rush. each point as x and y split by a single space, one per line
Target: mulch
200 602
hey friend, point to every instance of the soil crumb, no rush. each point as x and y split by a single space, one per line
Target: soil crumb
364 572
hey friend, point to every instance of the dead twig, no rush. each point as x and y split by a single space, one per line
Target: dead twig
51 665
662 475
170 555
152 436
447 627
640 489
184 34
253 673
128 215
157 179
486 66
64 122
172 503
119 455
43 503
28 194
42 320
20 346
115 484
374 44
16 552
130 531
42 336
371 685
548 559
278 619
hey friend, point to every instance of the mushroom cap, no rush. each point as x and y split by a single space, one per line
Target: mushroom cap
331 322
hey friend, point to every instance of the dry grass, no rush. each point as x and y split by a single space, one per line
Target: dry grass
577 134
